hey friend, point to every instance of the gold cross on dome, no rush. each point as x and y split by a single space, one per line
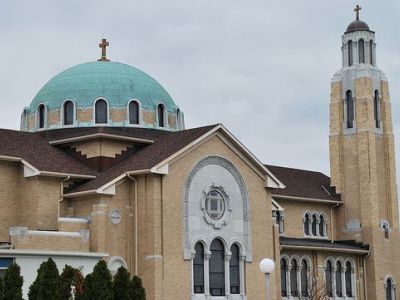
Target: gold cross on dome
103 45
357 10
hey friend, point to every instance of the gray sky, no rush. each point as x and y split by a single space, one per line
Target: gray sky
262 68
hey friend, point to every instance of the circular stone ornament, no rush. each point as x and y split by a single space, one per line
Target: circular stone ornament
115 216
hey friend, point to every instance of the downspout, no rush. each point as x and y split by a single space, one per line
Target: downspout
136 220
61 194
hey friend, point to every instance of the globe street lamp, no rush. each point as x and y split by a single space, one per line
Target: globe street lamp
267 266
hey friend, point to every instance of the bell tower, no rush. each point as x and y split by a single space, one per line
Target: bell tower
362 155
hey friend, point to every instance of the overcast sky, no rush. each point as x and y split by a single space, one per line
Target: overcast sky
262 68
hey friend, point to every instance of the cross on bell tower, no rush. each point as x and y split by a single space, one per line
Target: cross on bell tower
357 10
103 45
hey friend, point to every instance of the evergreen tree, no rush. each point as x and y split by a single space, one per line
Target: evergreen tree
100 285
87 287
1 288
138 291
122 285
71 277
13 282
33 293
47 283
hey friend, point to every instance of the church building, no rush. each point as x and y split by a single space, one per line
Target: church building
104 168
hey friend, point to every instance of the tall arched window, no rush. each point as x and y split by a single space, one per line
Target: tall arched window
293 278
390 290
349 109
350 52
284 270
385 228
68 113
321 225
234 271
329 278
178 119
161 115
307 224
133 110
101 112
371 52
304 278
361 52
217 269
377 109
41 116
314 225
347 276
339 289
198 269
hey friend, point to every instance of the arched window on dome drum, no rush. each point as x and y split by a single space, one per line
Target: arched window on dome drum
307 224
68 113
41 116
390 290
293 278
339 289
133 112
347 276
198 269
377 109
329 278
161 115
178 119
361 52
314 225
101 112
304 278
350 52
349 109
234 271
217 268
371 52
284 270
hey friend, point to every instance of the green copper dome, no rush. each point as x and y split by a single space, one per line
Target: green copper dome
116 82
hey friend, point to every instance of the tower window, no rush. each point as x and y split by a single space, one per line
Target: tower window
101 112
293 278
390 289
361 52
68 113
371 52
339 290
314 225
161 115
284 270
307 224
350 52
133 112
347 275
198 269
234 270
304 278
349 109
217 269
329 278
377 109
41 115
321 225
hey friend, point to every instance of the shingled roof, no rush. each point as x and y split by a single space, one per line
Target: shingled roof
36 150
303 184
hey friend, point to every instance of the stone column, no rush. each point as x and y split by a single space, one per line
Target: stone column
207 256
242 259
228 256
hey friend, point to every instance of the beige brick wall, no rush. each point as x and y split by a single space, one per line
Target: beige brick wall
95 148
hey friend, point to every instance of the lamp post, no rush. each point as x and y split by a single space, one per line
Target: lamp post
267 266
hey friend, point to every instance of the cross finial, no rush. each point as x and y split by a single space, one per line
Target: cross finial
357 10
103 45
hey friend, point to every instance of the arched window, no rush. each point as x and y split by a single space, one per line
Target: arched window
101 112
339 289
293 278
307 224
133 112
329 278
321 225
198 269
390 289
349 109
377 109
371 52
217 269
234 271
304 278
314 225
361 52
161 115
24 122
385 228
41 115
350 52
178 119
68 109
349 284
284 270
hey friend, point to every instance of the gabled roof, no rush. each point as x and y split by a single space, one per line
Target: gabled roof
36 151
303 184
